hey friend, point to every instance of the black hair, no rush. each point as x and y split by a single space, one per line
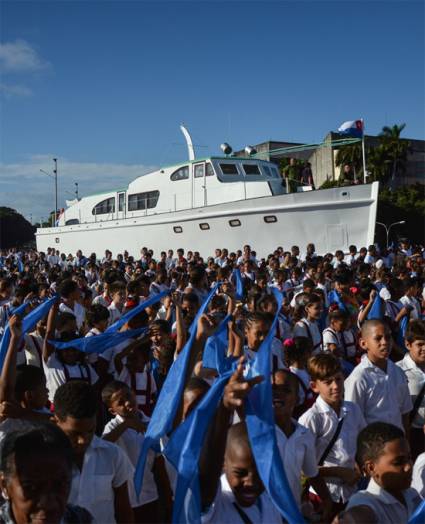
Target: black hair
372 439
301 348
28 378
42 439
161 325
63 318
76 399
67 287
257 316
111 388
415 331
192 298
96 313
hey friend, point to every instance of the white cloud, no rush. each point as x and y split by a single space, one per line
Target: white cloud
11 90
20 56
26 189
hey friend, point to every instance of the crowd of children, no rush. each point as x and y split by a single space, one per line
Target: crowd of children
347 361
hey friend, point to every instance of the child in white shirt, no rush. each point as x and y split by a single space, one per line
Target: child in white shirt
310 306
117 293
383 455
335 424
377 385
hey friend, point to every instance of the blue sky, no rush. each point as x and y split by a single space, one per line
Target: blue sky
103 86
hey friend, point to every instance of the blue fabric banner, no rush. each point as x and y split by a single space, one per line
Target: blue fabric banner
377 309
99 343
215 351
133 312
334 298
169 398
239 291
29 322
261 431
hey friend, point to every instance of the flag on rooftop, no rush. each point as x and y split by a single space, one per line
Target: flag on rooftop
353 128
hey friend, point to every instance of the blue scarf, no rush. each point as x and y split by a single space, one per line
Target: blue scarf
214 355
335 298
261 431
28 323
418 516
377 309
239 284
169 399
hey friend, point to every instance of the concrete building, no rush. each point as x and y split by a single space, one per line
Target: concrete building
322 157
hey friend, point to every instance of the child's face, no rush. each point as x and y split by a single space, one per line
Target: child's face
38 397
256 333
392 470
158 337
314 310
79 431
285 393
242 474
338 325
331 389
417 351
123 403
118 298
377 343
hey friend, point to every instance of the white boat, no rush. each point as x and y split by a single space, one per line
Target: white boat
219 201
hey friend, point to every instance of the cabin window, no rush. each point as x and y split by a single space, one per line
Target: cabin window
210 170
72 221
251 169
178 229
121 201
146 200
229 169
235 222
270 219
105 207
275 172
204 226
199 171
267 170
180 174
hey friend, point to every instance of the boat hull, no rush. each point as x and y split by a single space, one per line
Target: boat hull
331 219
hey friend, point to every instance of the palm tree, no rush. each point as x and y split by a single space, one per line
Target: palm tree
395 150
352 155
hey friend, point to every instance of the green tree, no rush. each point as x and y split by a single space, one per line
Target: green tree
396 151
352 155
15 230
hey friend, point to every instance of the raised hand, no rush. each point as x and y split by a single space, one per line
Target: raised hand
238 387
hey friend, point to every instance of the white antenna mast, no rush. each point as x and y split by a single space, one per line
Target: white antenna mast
190 148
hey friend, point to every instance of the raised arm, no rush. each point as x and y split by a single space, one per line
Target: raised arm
8 373
48 349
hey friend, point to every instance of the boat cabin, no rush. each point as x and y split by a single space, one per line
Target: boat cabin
193 184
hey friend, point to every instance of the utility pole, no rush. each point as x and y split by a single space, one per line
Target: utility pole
55 172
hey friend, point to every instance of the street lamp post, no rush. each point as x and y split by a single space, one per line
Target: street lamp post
388 228
55 178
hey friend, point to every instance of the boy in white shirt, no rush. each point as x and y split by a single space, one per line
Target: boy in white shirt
101 471
335 424
413 365
377 385
126 430
117 293
409 299
70 294
418 479
384 456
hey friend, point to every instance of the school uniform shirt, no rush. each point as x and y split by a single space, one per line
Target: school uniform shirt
291 284
156 289
131 442
56 374
381 397
114 313
387 509
102 300
92 358
323 421
418 478
143 385
415 382
415 313
105 468
78 311
343 340
223 509
309 329
33 349
298 456
283 328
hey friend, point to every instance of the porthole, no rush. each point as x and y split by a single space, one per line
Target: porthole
57 240
204 226
235 222
178 229
270 219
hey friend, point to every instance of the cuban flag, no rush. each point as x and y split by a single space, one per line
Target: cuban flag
352 128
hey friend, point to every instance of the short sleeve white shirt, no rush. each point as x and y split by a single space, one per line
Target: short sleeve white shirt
381 396
131 442
418 478
415 313
78 311
323 421
415 381
309 329
223 510
387 509
298 456
105 467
